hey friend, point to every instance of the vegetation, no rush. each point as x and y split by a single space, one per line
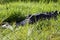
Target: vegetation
11 10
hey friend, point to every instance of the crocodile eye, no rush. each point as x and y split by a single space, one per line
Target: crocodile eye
2 24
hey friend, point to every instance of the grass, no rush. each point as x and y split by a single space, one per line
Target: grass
42 30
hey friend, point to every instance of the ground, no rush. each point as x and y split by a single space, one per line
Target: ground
41 30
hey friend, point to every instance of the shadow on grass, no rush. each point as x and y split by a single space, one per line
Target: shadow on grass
16 16
7 1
